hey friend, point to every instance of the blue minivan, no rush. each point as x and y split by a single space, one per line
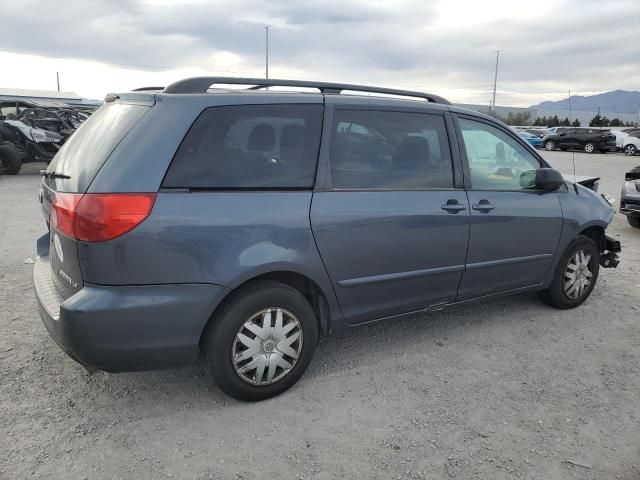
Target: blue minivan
245 223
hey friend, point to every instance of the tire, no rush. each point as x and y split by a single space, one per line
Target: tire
634 221
630 150
590 147
556 295
549 145
229 338
11 158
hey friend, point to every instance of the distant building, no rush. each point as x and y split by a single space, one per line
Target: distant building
52 96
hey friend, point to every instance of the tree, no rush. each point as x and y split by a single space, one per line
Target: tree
554 121
615 122
576 123
596 121
565 122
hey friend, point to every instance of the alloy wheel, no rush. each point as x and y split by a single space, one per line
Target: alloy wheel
550 146
589 147
630 150
578 275
267 346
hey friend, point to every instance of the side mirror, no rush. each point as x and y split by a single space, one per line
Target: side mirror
548 179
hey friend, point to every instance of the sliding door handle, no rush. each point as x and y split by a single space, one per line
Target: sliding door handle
453 207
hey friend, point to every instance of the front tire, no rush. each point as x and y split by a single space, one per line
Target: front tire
11 158
549 145
589 147
261 342
575 276
630 150
634 221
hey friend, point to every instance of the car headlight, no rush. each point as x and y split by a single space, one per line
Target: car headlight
609 199
632 188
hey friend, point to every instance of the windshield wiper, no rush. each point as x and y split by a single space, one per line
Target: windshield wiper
46 174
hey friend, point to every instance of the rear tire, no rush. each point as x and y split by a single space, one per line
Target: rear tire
569 287
246 353
11 158
634 221
590 147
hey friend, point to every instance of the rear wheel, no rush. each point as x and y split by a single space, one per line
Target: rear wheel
262 341
11 158
634 221
549 145
630 150
589 147
575 276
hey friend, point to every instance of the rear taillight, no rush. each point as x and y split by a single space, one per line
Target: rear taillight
98 217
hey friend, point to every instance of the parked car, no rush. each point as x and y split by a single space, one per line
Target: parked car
630 197
631 145
590 140
533 140
243 225
536 131
556 130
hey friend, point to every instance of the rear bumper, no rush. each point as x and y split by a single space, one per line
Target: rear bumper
126 328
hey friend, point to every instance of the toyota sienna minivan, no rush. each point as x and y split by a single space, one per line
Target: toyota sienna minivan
243 224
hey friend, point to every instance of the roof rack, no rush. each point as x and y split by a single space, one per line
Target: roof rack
203 84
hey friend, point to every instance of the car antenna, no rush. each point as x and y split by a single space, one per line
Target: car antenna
573 154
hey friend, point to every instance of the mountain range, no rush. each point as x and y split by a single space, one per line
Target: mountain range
617 101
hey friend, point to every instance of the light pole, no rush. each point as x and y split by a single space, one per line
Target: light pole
495 80
266 51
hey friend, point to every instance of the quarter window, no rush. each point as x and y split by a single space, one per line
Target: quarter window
496 160
378 150
249 146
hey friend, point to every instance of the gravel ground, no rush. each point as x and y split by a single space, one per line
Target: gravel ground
500 390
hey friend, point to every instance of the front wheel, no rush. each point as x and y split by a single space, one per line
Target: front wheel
634 221
589 147
262 341
549 145
11 158
575 276
630 150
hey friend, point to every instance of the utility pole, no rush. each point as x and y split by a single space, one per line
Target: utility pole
266 51
570 119
58 80
495 80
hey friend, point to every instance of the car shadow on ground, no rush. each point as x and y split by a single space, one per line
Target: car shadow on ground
335 355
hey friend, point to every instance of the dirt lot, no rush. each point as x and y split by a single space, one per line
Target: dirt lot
508 389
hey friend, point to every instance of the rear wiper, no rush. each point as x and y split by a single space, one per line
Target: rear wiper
46 174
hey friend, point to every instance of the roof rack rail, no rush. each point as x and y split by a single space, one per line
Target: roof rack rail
203 84
144 89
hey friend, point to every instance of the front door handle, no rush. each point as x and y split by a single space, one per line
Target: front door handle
483 206
452 206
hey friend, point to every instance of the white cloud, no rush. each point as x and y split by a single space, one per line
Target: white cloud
442 46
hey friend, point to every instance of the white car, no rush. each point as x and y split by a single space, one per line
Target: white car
631 145
620 138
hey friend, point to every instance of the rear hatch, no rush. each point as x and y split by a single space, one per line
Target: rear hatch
66 181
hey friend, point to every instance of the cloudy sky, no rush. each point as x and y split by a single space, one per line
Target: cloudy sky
444 46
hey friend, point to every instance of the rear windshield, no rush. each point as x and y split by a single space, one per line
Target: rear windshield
249 146
84 153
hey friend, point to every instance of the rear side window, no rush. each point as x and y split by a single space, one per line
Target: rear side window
380 150
89 147
249 146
